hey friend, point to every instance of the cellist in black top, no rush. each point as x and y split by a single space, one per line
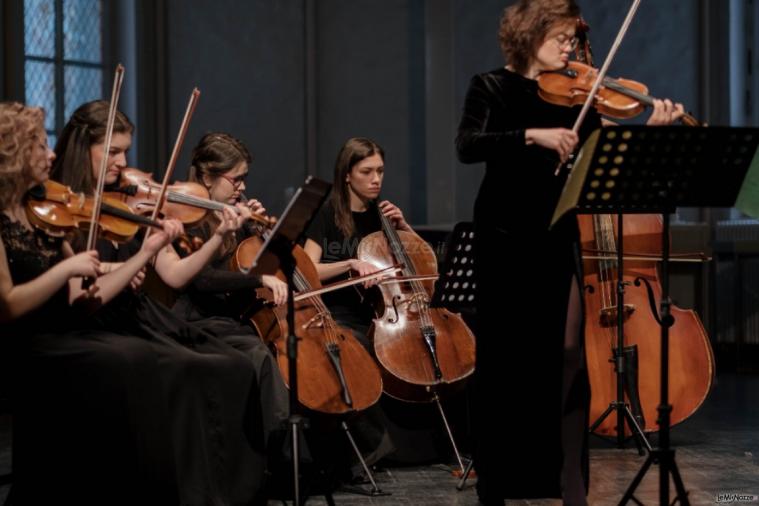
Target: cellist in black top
539 449
349 215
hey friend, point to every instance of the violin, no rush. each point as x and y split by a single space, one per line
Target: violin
57 209
335 372
419 348
616 98
185 201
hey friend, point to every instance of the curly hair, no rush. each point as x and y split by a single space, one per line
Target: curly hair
353 151
19 131
85 128
524 27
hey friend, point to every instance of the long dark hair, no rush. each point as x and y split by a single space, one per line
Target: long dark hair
85 128
353 151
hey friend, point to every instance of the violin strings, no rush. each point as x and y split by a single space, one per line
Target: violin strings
181 198
328 323
608 245
417 288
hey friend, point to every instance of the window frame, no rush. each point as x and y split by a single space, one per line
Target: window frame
60 62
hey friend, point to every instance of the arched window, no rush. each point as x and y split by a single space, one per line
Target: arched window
63 57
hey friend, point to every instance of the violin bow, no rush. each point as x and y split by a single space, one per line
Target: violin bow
92 236
602 73
194 96
383 273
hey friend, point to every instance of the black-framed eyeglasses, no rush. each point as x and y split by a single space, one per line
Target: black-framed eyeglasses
564 41
236 182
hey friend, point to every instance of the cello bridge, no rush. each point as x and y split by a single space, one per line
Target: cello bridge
316 321
608 315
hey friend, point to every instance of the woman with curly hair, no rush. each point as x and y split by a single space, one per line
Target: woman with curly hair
539 448
89 426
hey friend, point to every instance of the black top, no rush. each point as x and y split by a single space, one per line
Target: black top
216 290
519 180
523 272
336 247
30 253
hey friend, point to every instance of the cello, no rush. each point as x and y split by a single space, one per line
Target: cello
417 346
336 374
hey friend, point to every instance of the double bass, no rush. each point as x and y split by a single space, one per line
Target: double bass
691 360
417 346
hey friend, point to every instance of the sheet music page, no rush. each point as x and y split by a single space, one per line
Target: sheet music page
748 198
570 195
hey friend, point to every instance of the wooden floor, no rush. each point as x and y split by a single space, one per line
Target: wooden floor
717 453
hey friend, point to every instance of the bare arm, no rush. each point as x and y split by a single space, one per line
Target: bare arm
120 275
332 269
17 300
177 272
326 270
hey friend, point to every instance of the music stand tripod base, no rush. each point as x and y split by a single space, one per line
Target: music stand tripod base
455 291
276 253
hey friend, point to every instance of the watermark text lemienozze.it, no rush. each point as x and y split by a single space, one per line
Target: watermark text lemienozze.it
737 498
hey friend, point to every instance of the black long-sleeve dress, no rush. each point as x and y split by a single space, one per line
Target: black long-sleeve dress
214 301
89 416
211 392
524 272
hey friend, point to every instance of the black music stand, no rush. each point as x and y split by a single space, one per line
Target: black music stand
640 169
276 253
455 291
455 287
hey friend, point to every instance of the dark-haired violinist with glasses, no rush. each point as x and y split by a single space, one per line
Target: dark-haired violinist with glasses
541 450
214 298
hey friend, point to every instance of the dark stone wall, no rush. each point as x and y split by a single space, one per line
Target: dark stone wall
393 70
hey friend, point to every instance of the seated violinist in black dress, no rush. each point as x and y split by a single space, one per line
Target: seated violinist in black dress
217 295
90 426
542 451
211 387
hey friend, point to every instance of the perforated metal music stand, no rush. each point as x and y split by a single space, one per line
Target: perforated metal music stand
455 291
276 253
640 169
455 287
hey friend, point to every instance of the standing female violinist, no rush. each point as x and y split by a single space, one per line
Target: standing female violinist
89 424
218 443
220 162
539 448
